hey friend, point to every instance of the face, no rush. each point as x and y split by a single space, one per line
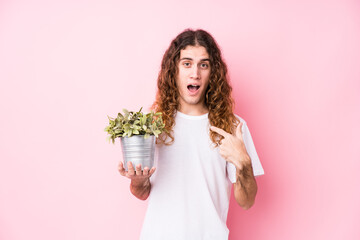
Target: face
193 79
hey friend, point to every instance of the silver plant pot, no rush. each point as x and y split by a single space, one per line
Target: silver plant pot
138 150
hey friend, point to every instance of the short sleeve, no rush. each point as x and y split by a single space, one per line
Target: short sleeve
250 148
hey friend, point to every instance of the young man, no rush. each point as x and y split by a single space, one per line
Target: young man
207 148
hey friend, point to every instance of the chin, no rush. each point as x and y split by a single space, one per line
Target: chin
192 101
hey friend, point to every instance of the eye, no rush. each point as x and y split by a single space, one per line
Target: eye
187 64
204 65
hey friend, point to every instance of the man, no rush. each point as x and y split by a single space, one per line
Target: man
207 147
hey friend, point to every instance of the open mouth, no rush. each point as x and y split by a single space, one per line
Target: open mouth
193 88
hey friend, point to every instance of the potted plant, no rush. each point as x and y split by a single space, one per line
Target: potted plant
137 132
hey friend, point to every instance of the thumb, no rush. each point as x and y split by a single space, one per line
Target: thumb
238 132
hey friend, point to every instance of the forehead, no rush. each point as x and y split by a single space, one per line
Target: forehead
194 52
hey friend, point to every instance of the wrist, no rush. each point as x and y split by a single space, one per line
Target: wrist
242 162
245 171
140 188
139 183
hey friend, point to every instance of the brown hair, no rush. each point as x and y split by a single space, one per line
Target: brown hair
217 96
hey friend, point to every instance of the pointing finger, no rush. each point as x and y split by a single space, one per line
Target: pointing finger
219 131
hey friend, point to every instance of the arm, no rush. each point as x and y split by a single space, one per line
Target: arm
140 180
245 187
140 189
233 150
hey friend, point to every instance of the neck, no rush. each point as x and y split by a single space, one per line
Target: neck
194 110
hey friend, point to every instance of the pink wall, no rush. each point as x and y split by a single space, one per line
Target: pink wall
65 65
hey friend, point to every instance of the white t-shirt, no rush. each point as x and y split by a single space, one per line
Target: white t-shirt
191 187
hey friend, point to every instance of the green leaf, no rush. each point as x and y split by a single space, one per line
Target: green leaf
126 111
157 132
143 120
137 123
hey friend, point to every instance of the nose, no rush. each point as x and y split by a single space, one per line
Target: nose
195 72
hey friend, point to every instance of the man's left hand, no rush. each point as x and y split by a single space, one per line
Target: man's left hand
232 147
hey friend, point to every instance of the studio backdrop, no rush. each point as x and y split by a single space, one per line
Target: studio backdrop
67 65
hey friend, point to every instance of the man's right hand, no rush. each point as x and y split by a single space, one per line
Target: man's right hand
140 184
136 175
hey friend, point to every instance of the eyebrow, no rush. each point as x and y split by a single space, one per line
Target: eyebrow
201 60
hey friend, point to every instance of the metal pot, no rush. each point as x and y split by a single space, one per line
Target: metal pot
138 150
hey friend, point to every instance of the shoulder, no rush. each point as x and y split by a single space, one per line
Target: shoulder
240 118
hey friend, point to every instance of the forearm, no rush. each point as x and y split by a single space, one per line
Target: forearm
140 189
245 188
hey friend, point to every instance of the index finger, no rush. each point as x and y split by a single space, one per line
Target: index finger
219 131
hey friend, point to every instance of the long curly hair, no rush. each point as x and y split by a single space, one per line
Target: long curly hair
218 98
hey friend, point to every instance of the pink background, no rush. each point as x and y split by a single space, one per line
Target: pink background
66 65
